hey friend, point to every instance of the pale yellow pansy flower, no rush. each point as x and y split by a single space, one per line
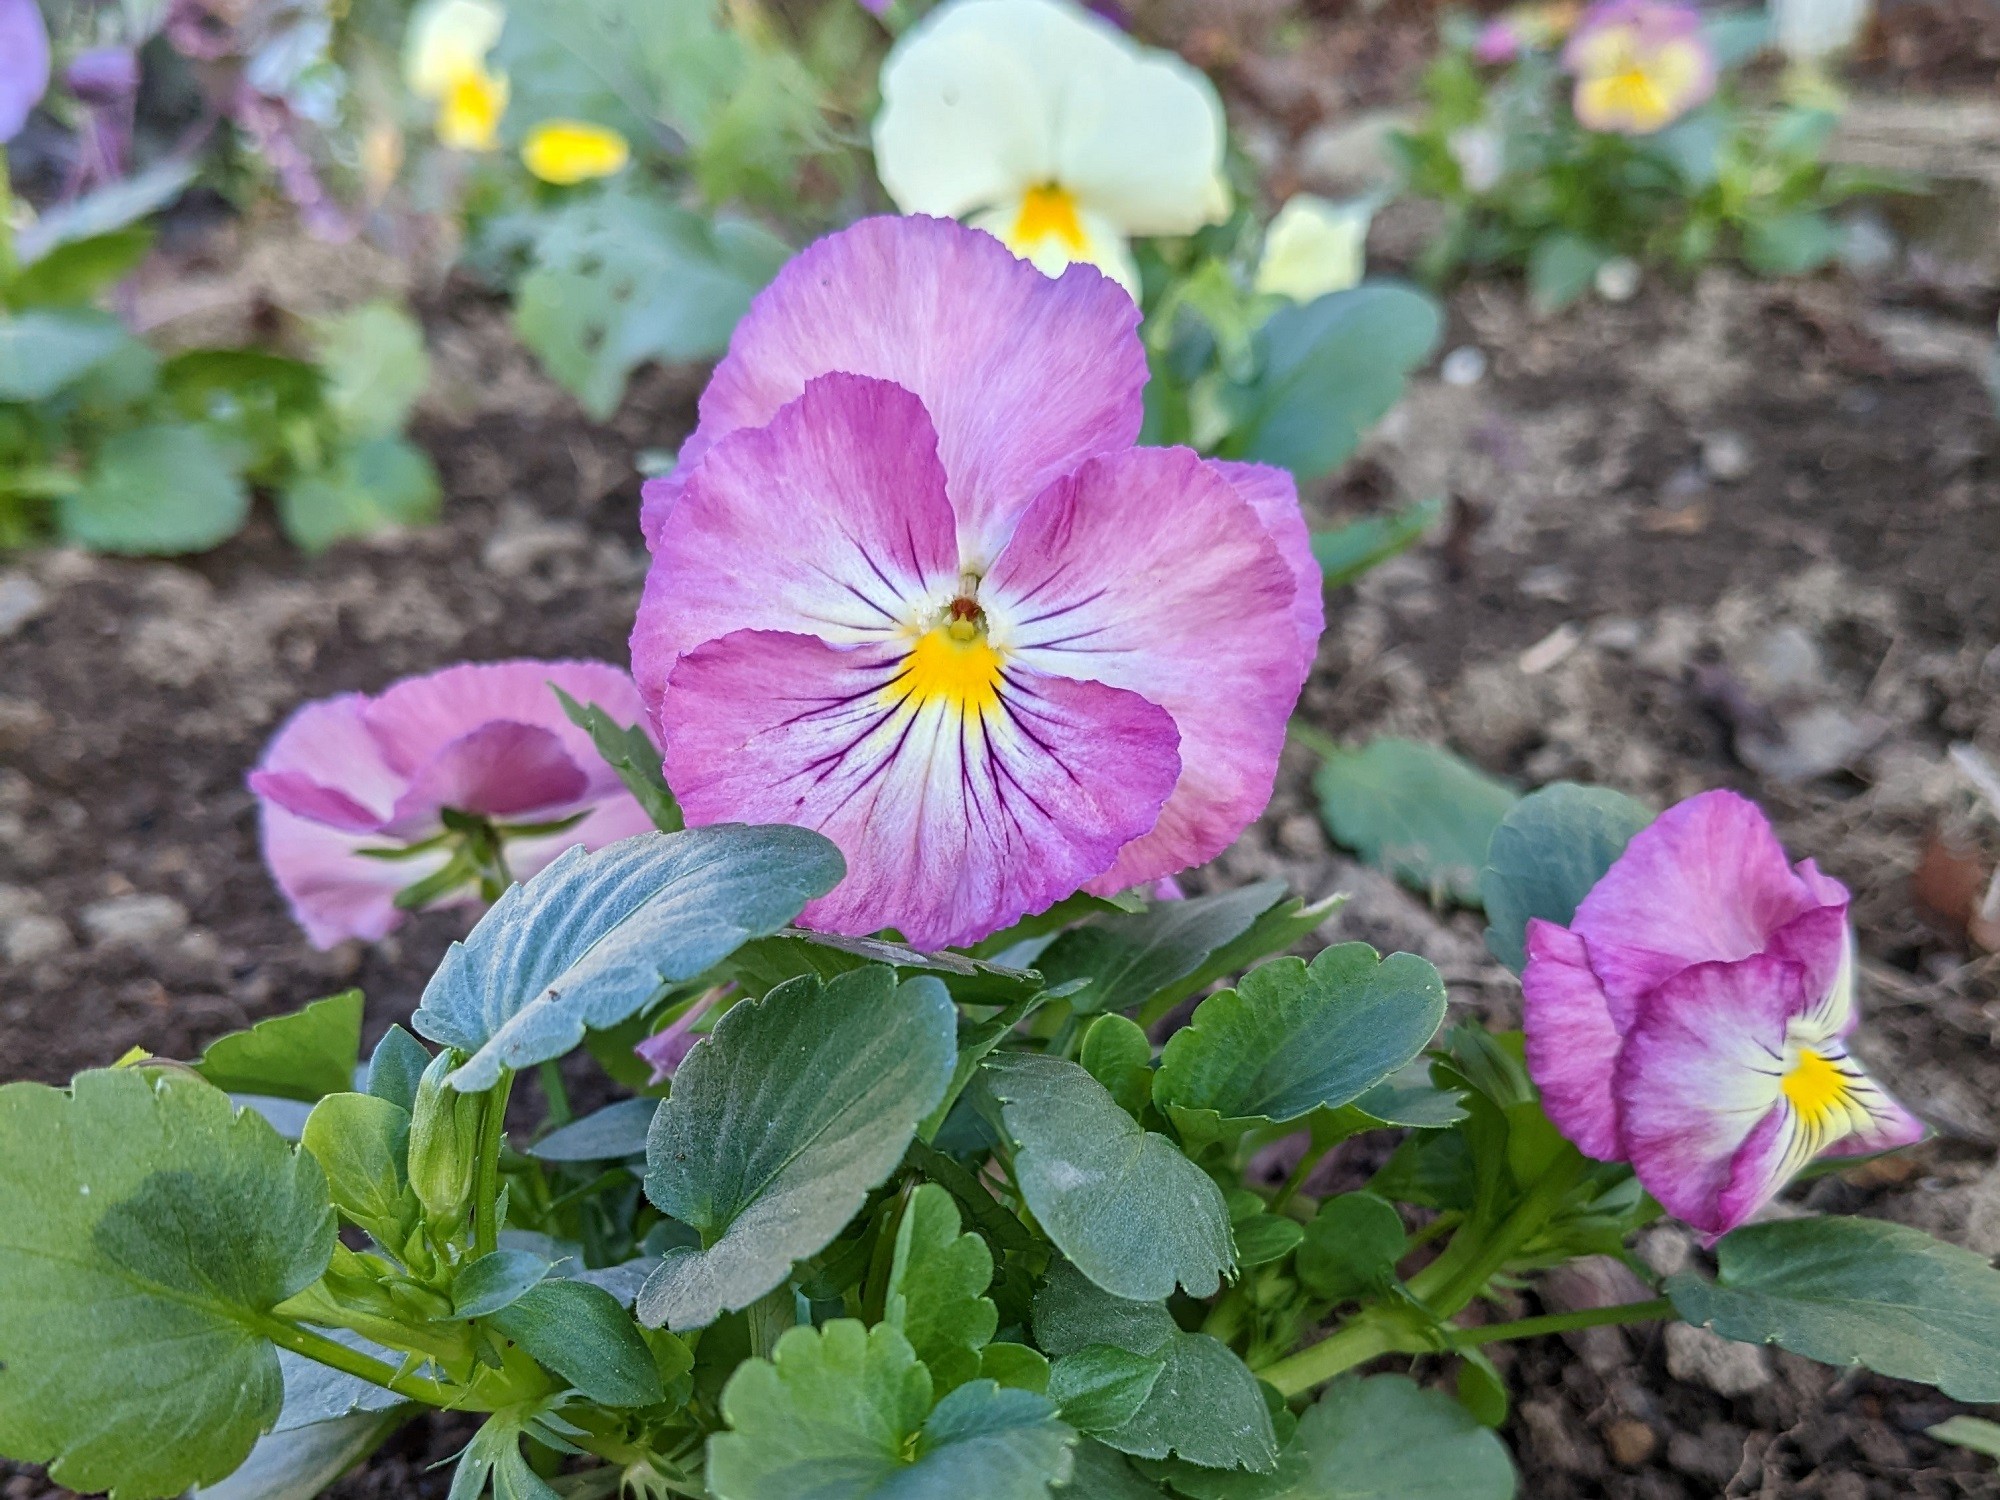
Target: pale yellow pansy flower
1314 247
1052 129
444 62
567 152
1810 30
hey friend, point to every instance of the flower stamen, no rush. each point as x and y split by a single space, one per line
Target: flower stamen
1048 212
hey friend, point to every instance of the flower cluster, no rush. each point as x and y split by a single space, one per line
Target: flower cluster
437 791
1692 1018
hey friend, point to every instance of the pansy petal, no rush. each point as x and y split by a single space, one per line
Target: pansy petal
1572 1046
334 891
614 818
327 746
500 770
1274 495
1147 571
832 520
1706 882
1023 378
419 718
954 823
1143 146
1700 1069
1080 238
1876 1121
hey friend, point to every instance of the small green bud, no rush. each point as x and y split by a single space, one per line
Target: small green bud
444 1146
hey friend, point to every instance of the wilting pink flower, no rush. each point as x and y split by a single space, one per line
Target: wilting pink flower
24 64
354 774
666 1049
1639 64
913 586
1692 1017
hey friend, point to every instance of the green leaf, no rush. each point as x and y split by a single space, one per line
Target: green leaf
1264 1239
1482 1389
160 489
378 485
1292 1038
594 936
1386 1438
375 366
846 1411
1550 849
397 1067
1790 244
781 1123
1015 1366
76 274
1351 1247
495 1280
362 1144
1561 268
147 1229
1117 1053
41 352
580 1332
613 1133
1128 959
1416 811
1101 1387
1206 1405
300 1462
937 1285
1409 1098
1122 1203
1329 370
630 752
1346 552
1856 1292
109 208
1975 1433
621 278
1103 1473
305 1055
763 965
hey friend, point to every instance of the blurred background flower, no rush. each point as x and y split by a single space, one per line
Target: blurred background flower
1314 247
24 64
445 63
1640 65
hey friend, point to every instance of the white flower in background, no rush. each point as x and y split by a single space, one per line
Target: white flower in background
1481 154
1809 30
1053 129
1315 247
444 62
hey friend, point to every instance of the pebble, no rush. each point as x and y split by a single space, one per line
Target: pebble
1464 366
21 599
31 938
1725 456
1666 1250
1726 1367
1550 650
1618 279
1630 1443
135 921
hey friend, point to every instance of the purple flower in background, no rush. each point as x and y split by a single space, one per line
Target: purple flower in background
359 793
105 81
666 1049
1640 65
103 75
1692 1018
24 64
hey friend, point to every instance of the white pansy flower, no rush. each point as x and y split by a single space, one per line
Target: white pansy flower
444 62
1315 247
1053 129
1813 29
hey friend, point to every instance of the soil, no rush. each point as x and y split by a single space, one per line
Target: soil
1725 534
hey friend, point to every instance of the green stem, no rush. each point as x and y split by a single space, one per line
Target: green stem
1322 744
1590 1317
1355 1344
486 1189
325 1351
556 1093
1313 1156
1448 1291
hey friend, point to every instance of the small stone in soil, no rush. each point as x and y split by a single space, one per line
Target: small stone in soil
1724 1366
133 921
1464 366
1630 1443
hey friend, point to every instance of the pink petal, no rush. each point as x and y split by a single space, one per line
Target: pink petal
500 769
323 763
1707 882
1147 571
1274 495
616 816
1572 1045
831 520
334 892
1699 1072
1024 377
420 717
953 824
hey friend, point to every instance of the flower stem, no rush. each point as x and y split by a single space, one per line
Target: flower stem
1589 1317
486 1188
1310 1158
1355 1344
325 1351
1322 744
1450 1282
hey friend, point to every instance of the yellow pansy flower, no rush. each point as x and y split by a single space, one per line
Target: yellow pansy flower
444 62
1314 247
570 151
1052 129
1640 65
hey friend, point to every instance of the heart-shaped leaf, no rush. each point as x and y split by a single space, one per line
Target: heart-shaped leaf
1416 811
306 1055
1550 849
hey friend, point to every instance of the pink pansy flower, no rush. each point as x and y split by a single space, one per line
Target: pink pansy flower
1692 1018
1640 65
913 586
356 790
1525 28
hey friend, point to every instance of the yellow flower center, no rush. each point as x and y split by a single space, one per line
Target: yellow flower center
571 151
1048 212
1815 1086
952 663
469 111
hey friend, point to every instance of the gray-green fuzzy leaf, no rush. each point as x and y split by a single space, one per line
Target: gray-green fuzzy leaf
1415 810
1550 849
1129 958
